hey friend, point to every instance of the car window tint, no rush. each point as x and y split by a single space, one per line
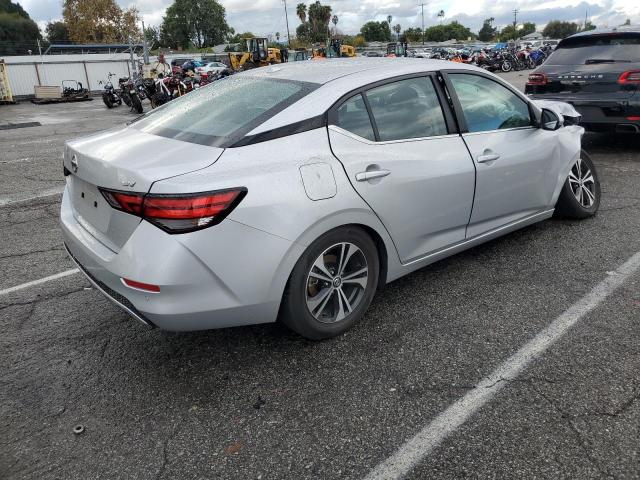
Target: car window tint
224 111
354 118
407 109
487 105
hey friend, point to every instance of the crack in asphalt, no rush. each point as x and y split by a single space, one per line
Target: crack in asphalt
176 430
32 252
580 440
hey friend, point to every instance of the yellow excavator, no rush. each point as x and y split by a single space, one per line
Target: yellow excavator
257 54
335 50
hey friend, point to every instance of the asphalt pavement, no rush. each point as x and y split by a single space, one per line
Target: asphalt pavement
262 403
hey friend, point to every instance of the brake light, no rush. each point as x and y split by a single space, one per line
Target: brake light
125 201
178 213
537 79
630 76
634 118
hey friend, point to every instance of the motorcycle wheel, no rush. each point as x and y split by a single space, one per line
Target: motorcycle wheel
506 66
531 63
158 99
106 98
126 99
136 104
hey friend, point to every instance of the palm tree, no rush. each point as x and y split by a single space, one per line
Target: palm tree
278 36
397 29
441 15
334 20
301 12
389 19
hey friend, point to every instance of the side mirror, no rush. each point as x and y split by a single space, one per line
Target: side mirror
550 120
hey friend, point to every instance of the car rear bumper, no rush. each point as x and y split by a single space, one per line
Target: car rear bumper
621 115
207 279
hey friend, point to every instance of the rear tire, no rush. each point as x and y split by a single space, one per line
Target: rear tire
136 104
332 284
580 194
506 66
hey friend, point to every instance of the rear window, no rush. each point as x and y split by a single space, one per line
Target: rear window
622 47
223 112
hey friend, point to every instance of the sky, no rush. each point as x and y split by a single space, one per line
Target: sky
265 17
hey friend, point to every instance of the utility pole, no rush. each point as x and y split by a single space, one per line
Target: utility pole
422 6
515 18
585 19
133 65
145 48
286 16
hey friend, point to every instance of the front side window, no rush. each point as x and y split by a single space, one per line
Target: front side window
353 117
223 112
487 105
407 109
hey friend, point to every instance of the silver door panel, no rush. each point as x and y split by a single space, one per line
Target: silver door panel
425 199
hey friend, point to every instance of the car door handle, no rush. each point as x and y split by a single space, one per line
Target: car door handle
488 157
371 174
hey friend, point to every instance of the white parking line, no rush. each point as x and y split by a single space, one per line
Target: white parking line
426 440
33 283
20 199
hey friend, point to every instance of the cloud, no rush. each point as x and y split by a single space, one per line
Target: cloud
267 16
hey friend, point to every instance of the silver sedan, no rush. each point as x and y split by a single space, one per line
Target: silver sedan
296 191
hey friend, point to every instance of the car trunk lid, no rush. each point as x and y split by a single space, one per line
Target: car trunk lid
124 160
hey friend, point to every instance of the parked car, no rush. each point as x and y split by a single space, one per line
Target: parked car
372 53
297 192
598 72
212 67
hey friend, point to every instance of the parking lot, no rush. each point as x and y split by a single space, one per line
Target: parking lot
262 403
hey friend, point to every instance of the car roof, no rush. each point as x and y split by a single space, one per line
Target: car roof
338 77
356 68
607 31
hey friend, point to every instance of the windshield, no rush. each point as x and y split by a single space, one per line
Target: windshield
597 49
223 112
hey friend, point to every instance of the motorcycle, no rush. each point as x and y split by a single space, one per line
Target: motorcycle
129 94
109 95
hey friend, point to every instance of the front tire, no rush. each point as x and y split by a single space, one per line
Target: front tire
580 195
332 284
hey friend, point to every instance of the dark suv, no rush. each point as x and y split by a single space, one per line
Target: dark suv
598 72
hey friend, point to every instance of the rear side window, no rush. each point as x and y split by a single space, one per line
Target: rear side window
353 117
407 109
223 112
487 105
620 47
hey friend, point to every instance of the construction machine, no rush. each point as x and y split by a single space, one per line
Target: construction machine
257 54
396 49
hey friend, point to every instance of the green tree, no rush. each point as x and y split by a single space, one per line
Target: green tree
152 36
488 31
397 28
319 18
199 23
508 33
100 21
450 31
588 26
413 34
57 32
376 31
18 33
301 12
527 28
559 29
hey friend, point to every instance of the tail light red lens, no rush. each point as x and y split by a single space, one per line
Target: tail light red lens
629 77
178 213
124 201
537 79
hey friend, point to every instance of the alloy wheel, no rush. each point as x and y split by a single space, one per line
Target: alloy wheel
582 184
337 282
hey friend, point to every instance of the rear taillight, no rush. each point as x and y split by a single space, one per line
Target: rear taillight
178 213
124 201
630 76
537 79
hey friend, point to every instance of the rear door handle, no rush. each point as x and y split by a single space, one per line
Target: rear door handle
371 174
488 158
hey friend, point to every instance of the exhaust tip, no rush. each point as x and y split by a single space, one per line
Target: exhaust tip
627 128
